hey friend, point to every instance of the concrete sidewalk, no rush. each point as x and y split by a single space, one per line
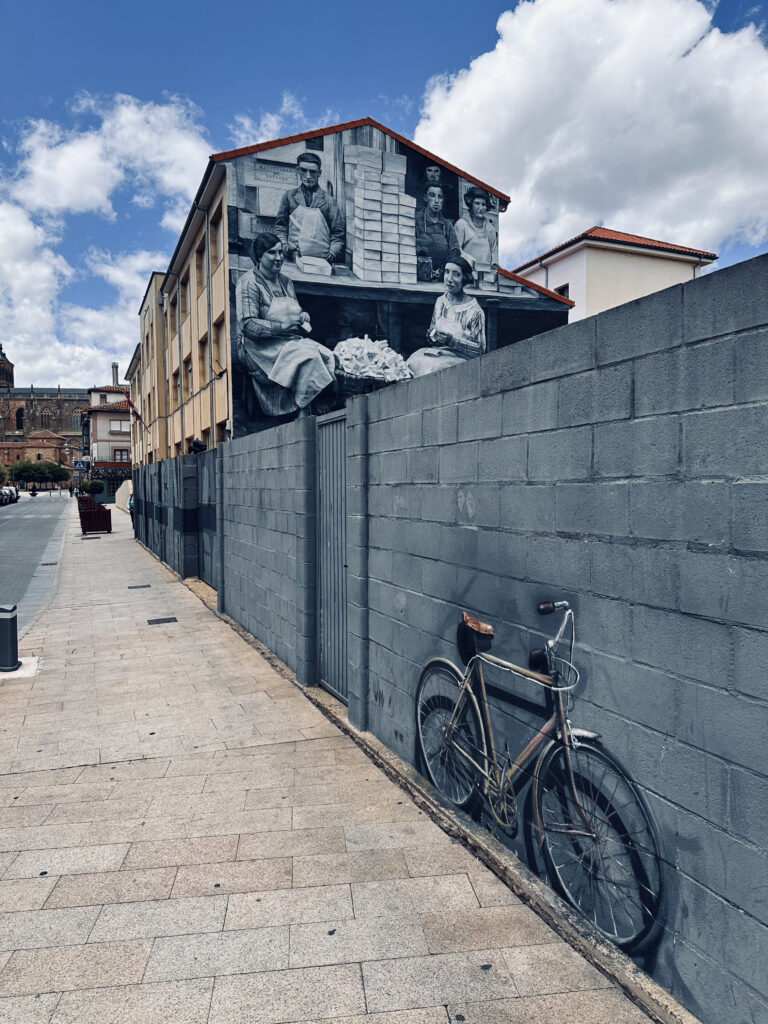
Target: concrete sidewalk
185 838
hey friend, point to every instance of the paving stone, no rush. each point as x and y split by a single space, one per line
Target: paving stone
159 917
437 980
77 861
175 1002
33 929
606 1007
490 890
391 835
42 837
18 814
486 928
62 794
201 956
35 1009
345 941
300 842
181 851
288 906
398 896
233 876
295 995
449 859
369 865
112 887
552 968
25 893
74 967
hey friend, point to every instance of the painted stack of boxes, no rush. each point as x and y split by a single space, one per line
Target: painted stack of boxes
380 216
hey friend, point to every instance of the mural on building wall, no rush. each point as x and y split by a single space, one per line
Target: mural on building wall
348 262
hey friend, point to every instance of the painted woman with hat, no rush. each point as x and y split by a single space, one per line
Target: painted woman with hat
475 232
457 330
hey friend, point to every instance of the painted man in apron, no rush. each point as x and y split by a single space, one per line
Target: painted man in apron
309 223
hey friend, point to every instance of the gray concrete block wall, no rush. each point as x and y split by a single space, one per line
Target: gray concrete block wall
620 461
269 540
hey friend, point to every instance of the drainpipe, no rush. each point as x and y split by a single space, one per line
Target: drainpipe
166 382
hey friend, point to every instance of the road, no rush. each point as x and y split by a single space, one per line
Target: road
26 531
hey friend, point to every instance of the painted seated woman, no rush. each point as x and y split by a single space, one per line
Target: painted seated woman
457 331
287 368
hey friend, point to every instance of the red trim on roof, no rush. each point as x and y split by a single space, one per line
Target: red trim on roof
602 234
113 388
112 407
344 126
536 287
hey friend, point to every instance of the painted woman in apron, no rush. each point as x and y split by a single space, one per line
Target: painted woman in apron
475 231
287 368
457 331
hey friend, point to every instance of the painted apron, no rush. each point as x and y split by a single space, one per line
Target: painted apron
308 228
438 357
433 241
300 365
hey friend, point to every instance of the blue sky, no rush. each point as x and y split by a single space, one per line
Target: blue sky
646 115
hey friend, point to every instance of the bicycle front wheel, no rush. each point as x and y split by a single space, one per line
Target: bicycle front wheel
600 843
447 740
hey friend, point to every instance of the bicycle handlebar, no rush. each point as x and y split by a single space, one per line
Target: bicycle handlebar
547 607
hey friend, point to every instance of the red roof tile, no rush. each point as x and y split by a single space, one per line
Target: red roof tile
363 121
114 388
601 234
536 287
112 407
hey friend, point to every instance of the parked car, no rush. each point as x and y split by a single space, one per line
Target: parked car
8 495
4 497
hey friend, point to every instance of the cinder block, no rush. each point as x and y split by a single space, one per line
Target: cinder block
423 465
422 393
749 806
503 459
565 350
458 383
750 650
751 367
599 508
507 368
638 694
636 572
558 562
478 505
726 442
592 397
749 516
441 425
480 418
649 324
728 300
527 507
732 587
458 463
687 378
683 644
439 504
627 448
560 455
694 512
530 409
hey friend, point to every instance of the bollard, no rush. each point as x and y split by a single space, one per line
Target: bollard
9 641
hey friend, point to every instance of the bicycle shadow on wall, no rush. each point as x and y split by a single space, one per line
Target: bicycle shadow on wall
496 741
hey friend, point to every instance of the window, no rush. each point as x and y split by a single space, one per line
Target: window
221 432
45 420
563 290
176 392
218 346
188 378
204 360
121 455
216 237
119 426
102 399
19 419
39 457
172 318
200 268
184 298
76 421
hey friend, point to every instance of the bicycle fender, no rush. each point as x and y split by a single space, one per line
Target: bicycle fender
585 734
441 661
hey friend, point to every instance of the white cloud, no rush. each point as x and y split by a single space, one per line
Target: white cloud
289 119
636 114
158 150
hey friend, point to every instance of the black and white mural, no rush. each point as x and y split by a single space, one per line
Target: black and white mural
350 262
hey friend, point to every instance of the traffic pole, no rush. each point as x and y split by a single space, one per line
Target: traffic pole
9 639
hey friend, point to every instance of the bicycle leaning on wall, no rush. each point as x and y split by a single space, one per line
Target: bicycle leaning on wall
599 842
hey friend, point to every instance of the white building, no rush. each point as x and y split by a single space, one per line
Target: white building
601 268
107 435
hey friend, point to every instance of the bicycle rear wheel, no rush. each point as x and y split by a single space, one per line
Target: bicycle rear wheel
600 843
443 735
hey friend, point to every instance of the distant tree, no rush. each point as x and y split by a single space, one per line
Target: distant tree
91 486
41 472
3 474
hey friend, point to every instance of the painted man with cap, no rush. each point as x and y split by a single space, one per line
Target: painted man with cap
309 223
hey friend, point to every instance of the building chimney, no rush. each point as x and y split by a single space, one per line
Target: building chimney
114 374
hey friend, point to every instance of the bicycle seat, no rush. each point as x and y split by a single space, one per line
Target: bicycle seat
481 628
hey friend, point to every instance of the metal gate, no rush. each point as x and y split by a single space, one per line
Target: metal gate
331 553
206 517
